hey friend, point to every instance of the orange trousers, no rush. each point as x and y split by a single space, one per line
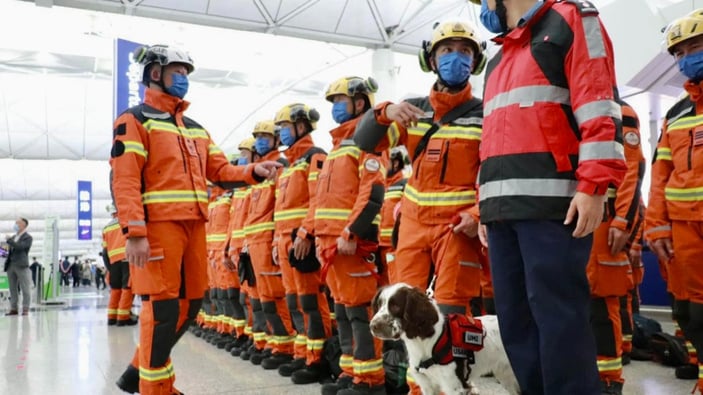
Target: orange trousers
269 284
171 285
119 306
456 259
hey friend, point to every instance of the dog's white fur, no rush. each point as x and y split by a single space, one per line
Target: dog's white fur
442 378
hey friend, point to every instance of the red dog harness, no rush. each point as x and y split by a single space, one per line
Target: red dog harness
461 336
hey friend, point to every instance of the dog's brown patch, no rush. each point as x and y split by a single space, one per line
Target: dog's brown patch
415 311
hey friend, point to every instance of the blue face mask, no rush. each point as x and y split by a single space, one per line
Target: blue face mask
16 228
490 19
287 136
692 66
241 161
179 88
340 113
454 68
262 145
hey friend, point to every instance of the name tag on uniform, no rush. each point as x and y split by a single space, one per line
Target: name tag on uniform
190 147
434 150
697 136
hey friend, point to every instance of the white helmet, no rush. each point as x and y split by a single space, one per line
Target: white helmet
163 55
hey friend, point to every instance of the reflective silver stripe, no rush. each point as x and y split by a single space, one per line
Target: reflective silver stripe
526 96
270 273
156 115
665 228
596 109
615 263
621 219
360 274
347 143
470 264
396 188
156 258
469 121
136 223
679 115
601 150
594 37
528 187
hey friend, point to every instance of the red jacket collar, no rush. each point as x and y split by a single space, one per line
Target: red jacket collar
164 102
299 148
344 131
443 102
519 31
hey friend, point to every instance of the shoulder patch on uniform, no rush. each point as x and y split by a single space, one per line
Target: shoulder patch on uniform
117 149
372 165
320 163
585 7
631 138
120 130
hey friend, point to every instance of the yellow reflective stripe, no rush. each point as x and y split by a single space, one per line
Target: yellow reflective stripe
333 213
393 134
238 234
238 194
376 220
393 195
111 311
135 148
459 132
103 244
301 340
352 151
346 361
261 227
219 202
163 126
123 312
685 123
239 323
213 149
115 252
612 192
626 338
157 374
248 331
440 198
386 232
112 227
610 364
216 237
174 196
663 153
420 129
259 336
684 194
298 167
263 185
315 344
289 214
369 366
312 176
278 340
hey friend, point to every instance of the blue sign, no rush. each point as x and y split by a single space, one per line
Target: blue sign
85 210
126 78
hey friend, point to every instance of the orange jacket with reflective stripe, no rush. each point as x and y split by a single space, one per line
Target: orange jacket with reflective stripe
114 241
216 228
677 173
295 186
237 215
258 225
350 189
161 161
443 181
624 202
394 192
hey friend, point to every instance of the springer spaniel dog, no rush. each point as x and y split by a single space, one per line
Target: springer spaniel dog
435 363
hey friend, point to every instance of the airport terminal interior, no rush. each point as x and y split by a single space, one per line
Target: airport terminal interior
67 72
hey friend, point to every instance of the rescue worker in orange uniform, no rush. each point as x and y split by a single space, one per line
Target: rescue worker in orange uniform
674 219
255 326
161 161
295 189
346 210
119 307
442 133
258 230
395 185
609 269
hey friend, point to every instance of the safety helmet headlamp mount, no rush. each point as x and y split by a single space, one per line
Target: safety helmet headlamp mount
163 55
294 113
351 87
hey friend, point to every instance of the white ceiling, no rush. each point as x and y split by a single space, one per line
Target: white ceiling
56 87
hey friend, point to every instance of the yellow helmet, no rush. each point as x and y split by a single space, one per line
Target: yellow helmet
683 29
351 86
297 112
266 127
247 144
454 30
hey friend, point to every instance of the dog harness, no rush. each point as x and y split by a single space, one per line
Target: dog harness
461 336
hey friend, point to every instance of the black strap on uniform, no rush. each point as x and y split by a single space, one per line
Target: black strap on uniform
453 114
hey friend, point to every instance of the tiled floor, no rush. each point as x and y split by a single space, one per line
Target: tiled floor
71 350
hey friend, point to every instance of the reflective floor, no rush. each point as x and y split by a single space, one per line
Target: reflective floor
70 349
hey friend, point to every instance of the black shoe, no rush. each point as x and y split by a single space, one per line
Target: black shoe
129 381
222 343
12 312
608 387
111 321
287 369
127 322
313 373
625 359
343 382
245 354
687 372
275 360
237 350
230 345
259 356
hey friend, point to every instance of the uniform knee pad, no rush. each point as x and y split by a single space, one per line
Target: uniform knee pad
164 334
602 328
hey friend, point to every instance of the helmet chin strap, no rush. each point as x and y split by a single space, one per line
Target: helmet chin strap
457 88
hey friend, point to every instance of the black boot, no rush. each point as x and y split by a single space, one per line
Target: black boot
312 373
276 360
687 372
287 369
611 387
343 382
129 381
238 350
127 322
259 355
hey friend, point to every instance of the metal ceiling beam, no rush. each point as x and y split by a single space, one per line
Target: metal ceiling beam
264 13
404 23
296 11
436 16
377 18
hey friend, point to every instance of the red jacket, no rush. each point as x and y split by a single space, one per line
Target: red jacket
161 161
551 125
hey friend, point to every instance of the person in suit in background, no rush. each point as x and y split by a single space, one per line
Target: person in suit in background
34 267
76 272
17 266
65 268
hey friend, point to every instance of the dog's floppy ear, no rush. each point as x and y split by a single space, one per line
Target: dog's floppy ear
376 299
417 314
